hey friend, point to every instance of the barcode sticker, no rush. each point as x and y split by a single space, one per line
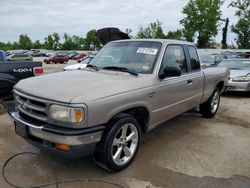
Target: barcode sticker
151 51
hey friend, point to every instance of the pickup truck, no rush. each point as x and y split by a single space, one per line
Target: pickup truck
11 73
129 88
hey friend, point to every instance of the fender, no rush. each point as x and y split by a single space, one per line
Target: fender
8 77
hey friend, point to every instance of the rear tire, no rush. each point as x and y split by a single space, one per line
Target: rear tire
119 144
209 108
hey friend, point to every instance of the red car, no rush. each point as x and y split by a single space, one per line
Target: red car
79 56
57 59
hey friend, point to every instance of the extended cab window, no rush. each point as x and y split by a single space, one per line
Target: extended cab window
195 64
174 55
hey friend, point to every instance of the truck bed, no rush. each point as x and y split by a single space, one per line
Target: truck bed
11 73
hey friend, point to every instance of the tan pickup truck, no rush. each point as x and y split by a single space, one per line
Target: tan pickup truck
129 88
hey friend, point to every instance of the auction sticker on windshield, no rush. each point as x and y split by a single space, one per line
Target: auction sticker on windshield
151 51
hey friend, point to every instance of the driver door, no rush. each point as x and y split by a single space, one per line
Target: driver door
174 94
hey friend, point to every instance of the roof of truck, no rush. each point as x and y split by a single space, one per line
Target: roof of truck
158 40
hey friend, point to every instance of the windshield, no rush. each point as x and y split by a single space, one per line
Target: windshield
136 56
235 64
86 60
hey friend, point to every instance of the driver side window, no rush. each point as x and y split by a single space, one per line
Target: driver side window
174 55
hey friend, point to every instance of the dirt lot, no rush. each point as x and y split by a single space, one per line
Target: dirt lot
187 151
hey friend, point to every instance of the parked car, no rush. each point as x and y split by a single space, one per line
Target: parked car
82 64
79 56
211 59
229 54
3 56
130 87
247 55
71 55
20 57
56 59
239 74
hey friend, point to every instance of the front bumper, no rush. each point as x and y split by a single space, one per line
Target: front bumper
238 86
46 136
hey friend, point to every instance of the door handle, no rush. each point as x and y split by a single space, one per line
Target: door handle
189 81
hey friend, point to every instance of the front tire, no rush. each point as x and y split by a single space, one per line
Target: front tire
209 108
119 144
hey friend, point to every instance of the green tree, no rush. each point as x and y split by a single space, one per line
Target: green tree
56 41
178 35
153 30
7 46
49 42
242 27
52 42
14 46
202 20
91 41
25 42
68 42
37 44
78 42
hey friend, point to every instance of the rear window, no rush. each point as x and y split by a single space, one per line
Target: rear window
195 64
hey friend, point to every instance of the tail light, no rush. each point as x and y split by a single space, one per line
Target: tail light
38 71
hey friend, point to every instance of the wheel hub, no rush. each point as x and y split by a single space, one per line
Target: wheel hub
125 144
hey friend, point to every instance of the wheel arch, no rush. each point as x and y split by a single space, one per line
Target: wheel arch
220 85
140 113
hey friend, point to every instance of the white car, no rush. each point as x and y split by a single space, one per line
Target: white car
80 65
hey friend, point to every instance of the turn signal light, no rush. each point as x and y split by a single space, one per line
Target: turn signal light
79 114
62 147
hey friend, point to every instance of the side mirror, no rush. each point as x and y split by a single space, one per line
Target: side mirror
170 71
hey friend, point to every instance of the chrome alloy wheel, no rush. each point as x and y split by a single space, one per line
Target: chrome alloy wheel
215 101
125 144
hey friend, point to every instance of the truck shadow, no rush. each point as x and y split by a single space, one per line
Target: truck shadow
236 94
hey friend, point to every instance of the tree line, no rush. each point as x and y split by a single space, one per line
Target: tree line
201 23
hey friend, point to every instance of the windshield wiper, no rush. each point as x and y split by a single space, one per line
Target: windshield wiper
93 66
123 69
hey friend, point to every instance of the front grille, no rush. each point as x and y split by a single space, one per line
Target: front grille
34 108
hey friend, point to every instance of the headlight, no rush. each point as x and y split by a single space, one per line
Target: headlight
66 114
242 79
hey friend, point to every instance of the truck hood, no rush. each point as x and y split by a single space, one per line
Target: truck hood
82 86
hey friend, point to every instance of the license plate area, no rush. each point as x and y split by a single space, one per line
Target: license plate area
21 130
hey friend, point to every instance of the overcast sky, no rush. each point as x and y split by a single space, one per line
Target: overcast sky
39 18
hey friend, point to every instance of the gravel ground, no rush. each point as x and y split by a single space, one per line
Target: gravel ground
187 151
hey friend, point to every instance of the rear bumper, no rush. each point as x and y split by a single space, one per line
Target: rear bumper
82 142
